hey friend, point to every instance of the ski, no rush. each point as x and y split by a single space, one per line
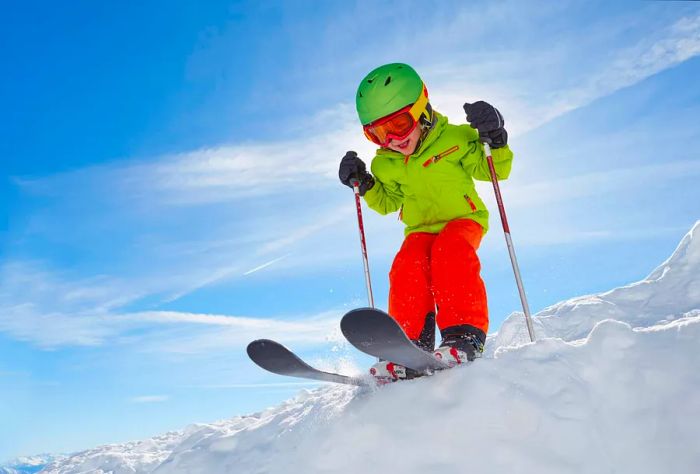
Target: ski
376 333
274 357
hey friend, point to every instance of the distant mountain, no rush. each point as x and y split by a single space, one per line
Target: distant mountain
127 458
29 464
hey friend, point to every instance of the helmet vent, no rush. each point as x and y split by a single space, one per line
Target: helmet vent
388 80
369 81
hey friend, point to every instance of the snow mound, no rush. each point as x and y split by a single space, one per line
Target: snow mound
611 386
667 294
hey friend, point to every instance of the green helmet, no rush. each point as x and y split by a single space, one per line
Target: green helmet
387 89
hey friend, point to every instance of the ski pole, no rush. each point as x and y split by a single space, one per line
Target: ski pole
509 242
363 243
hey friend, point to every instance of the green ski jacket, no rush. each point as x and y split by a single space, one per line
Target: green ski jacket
435 184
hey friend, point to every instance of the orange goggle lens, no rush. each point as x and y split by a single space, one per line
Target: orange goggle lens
396 126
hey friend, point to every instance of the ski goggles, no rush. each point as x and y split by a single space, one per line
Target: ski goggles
399 125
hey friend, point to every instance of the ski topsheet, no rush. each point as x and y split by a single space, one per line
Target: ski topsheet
376 333
274 357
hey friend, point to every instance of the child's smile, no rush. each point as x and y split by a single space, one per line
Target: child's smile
403 145
408 145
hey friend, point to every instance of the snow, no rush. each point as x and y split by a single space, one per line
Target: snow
611 386
668 293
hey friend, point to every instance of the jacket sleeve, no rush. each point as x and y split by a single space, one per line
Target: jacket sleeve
475 164
385 196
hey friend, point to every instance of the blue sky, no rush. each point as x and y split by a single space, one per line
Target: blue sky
169 186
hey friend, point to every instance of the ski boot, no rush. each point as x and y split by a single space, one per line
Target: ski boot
460 344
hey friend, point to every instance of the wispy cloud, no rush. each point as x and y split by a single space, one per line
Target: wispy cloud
530 104
265 265
43 308
235 172
661 50
200 333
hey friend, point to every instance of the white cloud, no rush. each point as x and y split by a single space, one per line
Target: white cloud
200 333
33 308
235 172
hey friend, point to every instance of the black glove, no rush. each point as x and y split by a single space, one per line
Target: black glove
352 168
488 121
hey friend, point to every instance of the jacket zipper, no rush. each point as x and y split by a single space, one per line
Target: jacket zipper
436 158
471 203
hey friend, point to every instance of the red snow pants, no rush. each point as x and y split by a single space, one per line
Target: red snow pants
439 269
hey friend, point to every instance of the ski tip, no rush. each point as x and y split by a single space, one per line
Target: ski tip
256 345
363 317
362 310
345 320
365 313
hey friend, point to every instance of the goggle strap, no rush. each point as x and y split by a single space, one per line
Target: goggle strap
428 118
419 105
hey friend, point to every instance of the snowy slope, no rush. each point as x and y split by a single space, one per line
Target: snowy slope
612 386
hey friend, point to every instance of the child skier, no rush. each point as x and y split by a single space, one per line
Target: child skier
424 169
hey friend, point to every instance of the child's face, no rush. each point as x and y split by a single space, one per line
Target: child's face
408 145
